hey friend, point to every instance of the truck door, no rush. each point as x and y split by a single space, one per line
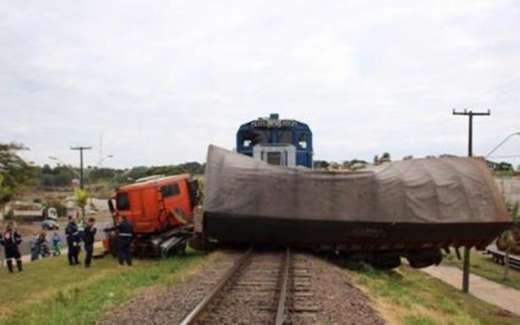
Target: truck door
176 200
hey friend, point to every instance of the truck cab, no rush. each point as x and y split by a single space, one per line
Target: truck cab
156 206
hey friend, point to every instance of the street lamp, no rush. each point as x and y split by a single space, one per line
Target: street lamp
100 162
57 160
501 143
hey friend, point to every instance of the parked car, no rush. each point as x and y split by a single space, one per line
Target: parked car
51 221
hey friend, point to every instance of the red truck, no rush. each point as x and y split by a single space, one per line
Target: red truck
161 211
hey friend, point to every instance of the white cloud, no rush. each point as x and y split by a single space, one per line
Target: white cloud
162 80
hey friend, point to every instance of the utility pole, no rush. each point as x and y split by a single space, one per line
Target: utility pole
469 114
81 149
81 178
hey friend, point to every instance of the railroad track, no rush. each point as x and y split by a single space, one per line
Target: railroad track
262 288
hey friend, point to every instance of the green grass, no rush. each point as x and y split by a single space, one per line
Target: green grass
418 320
408 296
51 292
484 266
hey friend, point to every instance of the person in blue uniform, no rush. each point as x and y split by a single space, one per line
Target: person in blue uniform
10 239
125 232
72 234
89 237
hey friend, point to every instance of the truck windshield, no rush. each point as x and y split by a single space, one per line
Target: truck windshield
122 202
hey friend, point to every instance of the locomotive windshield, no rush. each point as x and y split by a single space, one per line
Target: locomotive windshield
259 136
276 142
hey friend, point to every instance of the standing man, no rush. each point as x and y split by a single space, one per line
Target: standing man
10 240
125 233
88 240
72 241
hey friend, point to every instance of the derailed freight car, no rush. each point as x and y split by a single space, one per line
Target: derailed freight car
411 208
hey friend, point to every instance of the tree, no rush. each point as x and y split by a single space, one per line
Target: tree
354 164
6 193
81 198
14 171
385 157
320 164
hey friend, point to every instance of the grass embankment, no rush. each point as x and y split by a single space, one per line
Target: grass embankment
485 267
51 292
408 296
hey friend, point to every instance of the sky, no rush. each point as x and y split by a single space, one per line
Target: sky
156 82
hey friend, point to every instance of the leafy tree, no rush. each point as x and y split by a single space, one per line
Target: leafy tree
59 176
385 157
504 166
16 173
6 193
81 198
355 164
321 164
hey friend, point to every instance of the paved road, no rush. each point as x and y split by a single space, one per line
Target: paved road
510 187
484 289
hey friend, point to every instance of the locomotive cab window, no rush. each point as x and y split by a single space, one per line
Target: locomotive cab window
170 190
122 202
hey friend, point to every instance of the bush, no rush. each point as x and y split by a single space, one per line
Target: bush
60 207
9 215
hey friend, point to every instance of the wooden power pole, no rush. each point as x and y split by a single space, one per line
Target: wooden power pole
469 114
81 177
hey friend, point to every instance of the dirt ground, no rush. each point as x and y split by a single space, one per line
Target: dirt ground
339 301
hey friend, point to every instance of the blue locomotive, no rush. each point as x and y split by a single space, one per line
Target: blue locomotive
277 142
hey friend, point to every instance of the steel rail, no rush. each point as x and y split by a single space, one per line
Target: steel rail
196 312
280 312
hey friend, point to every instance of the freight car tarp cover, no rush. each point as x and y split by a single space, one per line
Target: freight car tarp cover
442 190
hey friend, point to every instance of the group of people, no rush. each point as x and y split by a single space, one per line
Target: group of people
125 233
11 239
74 239
40 245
